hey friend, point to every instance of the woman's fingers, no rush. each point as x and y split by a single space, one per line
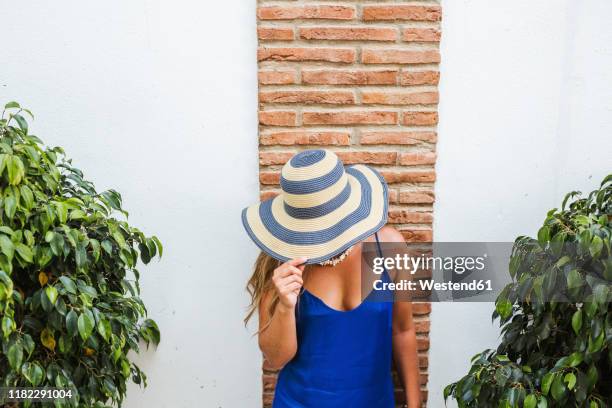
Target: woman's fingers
290 279
297 261
286 270
290 288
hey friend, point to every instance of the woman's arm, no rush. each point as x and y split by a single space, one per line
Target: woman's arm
404 332
277 332
405 352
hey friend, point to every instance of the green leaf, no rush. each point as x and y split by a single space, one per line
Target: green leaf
68 284
592 375
504 308
23 124
447 391
543 403
85 324
7 247
8 326
16 170
530 401
28 344
24 252
547 382
61 209
104 328
72 323
11 105
596 246
27 196
575 359
577 321
562 261
600 293
10 206
15 355
570 379
544 235
108 247
558 388
33 372
51 294
160 248
574 279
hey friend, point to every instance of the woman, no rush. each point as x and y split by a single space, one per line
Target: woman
333 348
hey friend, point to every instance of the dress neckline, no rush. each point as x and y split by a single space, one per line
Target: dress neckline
318 299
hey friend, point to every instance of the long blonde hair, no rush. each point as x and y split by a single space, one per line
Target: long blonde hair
260 283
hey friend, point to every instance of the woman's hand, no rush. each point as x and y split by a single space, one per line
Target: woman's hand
287 280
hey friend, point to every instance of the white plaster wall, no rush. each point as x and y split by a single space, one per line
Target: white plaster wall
158 100
525 116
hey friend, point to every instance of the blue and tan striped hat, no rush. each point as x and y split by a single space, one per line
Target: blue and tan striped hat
323 209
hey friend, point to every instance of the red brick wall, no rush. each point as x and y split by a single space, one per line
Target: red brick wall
359 77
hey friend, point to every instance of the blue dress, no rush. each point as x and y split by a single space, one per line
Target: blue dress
343 359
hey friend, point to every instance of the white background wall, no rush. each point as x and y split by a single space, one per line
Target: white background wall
525 116
158 100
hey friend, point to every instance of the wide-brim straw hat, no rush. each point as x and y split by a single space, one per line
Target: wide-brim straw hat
323 209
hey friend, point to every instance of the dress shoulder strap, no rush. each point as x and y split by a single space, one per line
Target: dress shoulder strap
378 248
380 254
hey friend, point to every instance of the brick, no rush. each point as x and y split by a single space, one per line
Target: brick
278 118
267 399
269 177
423 308
417 235
348 33
422 326
274 33
422 345
268 194
276 77
419 118
398 56
339 55
399 98
401 12
270 158
350 118
307 12
368 157
397 138
419 78
423 359
423 379
416 197
426 176
393 196
268 382
306 138
403 216
307 97
415 159
421 34
353 77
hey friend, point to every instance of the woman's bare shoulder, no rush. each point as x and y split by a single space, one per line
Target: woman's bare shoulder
390 234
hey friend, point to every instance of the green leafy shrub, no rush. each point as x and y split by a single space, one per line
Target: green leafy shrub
555 316
69 296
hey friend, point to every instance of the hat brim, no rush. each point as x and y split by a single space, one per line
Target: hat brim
318 239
